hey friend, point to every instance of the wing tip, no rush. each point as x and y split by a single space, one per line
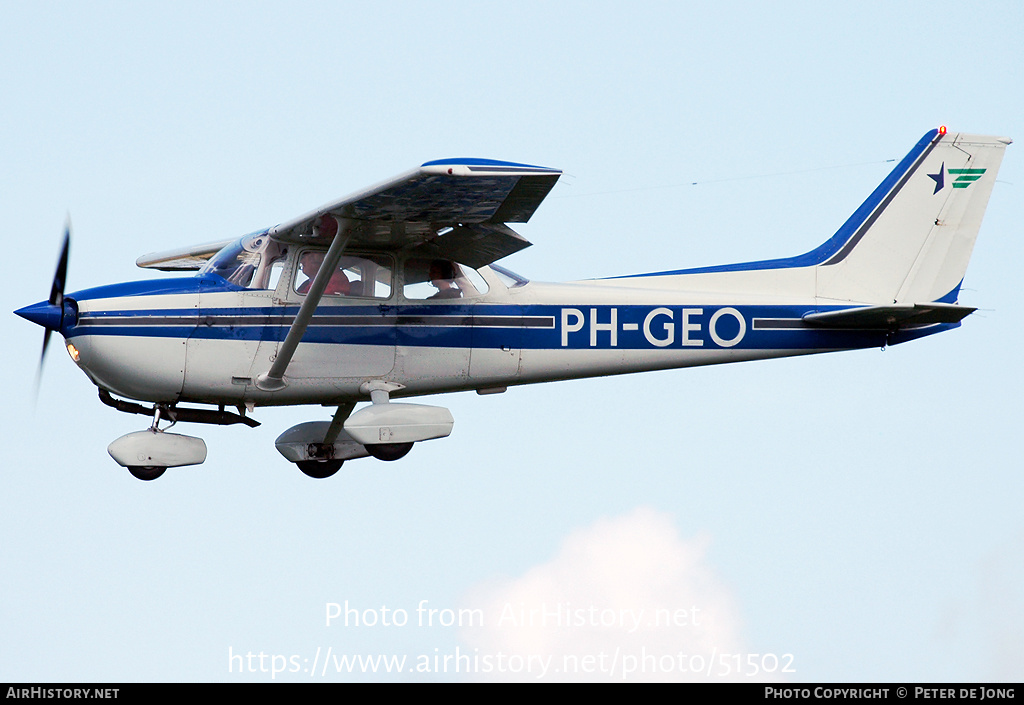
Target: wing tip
475 165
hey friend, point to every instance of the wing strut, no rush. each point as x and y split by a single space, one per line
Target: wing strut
273 380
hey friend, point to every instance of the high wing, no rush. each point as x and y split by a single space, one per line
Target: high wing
451 208
182 259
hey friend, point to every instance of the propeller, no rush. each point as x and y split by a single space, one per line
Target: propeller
60 277
50 313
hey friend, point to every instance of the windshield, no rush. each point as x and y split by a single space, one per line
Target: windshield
238 261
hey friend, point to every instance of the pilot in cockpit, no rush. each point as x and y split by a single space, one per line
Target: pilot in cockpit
310 264
442 276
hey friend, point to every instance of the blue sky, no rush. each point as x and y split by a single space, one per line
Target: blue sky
858 511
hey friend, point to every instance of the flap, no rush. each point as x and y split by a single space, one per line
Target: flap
474 245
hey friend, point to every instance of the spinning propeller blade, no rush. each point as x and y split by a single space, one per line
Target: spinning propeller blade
56 303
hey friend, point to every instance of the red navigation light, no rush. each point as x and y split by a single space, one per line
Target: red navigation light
942 131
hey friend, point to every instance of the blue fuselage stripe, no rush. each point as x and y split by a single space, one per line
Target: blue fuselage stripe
539 327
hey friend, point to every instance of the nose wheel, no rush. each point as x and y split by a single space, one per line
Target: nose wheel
158 449
146 472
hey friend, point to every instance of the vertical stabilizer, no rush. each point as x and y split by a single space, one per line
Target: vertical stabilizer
910 242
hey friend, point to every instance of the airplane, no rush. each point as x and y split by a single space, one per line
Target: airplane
395 292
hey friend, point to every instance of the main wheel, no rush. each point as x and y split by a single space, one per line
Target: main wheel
319 469
388 451
146 472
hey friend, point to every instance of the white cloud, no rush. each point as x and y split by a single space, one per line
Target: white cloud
999 601
624 599
982 630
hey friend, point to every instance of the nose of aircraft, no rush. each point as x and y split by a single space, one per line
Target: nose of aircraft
43 313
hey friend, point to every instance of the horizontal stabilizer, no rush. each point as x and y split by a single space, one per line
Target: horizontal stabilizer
894 317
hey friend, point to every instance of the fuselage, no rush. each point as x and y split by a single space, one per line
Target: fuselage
399 305
203 339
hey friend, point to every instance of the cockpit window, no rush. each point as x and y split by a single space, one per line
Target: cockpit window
441 280
365 276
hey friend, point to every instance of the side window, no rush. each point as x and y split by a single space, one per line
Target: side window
276 270
361 276
441 280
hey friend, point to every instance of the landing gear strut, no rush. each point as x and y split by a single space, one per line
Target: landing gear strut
326 464
318 448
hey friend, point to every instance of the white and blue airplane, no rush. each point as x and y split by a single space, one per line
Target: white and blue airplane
393 292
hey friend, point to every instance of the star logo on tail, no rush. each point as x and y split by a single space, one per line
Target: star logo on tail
940 178
964 177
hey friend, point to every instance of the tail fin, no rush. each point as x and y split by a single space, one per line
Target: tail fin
910 241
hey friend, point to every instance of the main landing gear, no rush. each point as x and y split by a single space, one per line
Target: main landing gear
389 451
324 468
319 448
382 430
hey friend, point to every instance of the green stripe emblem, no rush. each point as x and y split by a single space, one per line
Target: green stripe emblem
965 177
